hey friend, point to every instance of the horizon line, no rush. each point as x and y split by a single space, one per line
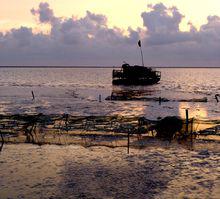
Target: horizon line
47 66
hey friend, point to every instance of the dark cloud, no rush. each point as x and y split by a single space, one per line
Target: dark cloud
90 41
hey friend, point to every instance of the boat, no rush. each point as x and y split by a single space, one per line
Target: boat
135 75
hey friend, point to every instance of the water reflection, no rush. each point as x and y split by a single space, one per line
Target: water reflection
200 115
132 109
197 111
131 99
132 92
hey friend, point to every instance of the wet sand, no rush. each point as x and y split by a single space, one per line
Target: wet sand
159 171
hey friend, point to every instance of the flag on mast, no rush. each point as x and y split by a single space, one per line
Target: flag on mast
139 43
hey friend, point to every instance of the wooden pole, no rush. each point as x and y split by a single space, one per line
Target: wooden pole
160 100
128 142
216 97
191 136
33 97
1 147
187 121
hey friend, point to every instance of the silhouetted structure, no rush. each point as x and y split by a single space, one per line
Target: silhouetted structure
135 75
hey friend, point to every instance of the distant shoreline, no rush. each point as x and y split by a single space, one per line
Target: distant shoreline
101 67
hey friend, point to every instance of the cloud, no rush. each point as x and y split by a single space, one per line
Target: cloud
175 47
90 41
83 41
162 19
162 25
44 12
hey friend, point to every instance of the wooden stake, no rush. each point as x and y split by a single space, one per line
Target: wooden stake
187 121
216 97
33 97
160 100
128 142
3 141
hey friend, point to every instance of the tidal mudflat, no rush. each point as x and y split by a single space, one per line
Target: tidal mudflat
157 171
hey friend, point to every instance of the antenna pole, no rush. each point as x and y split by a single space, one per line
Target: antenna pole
139 44
142 56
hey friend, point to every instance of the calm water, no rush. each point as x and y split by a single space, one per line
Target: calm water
76 91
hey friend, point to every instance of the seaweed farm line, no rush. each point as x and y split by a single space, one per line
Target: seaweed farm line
109 131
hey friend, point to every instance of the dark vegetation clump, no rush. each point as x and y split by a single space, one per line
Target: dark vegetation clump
167 127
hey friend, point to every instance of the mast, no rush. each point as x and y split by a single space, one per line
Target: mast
139 44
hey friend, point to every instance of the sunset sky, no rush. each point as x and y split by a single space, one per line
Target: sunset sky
99 32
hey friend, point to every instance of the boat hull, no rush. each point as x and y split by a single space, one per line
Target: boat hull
135 81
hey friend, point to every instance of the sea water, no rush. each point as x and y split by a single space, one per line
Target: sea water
82 92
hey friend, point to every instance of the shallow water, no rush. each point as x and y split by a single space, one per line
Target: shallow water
76 91
158 170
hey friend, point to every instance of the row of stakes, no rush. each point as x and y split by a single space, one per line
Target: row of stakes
217 96
33 96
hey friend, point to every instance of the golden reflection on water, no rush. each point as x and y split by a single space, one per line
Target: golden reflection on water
199 114
197 111
132 110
